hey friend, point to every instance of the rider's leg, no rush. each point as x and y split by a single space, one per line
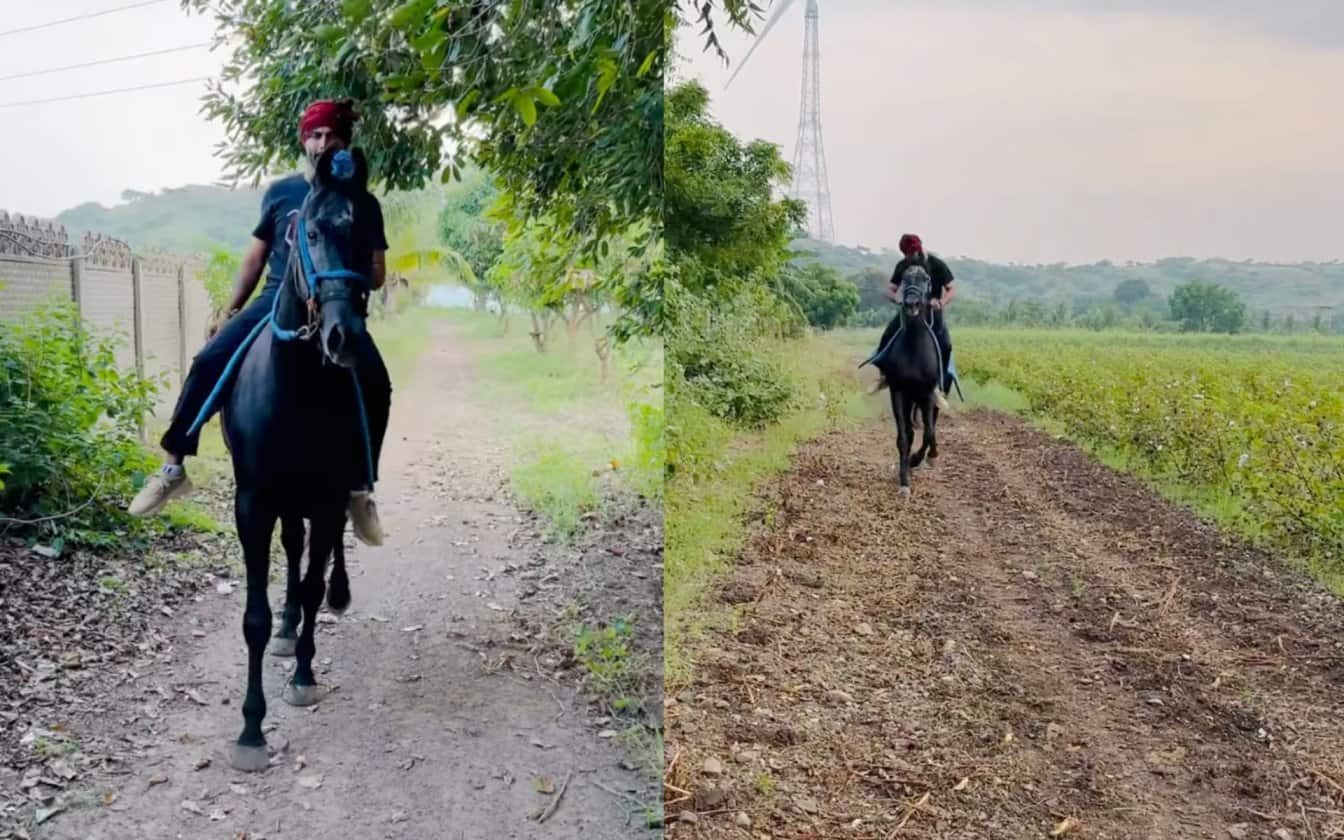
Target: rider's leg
945 351
172 482
892 327
376 388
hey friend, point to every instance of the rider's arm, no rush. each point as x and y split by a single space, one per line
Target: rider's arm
949 290
254 262
377 242
894 284
379 269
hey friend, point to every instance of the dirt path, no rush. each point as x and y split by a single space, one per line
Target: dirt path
430 731
1032 644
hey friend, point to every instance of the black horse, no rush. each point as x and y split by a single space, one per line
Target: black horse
912 364
294 426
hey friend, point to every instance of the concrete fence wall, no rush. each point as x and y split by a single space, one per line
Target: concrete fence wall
156 301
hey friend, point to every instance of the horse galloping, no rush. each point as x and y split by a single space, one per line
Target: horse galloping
912 365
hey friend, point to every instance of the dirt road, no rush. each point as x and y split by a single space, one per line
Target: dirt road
1031 646
430 731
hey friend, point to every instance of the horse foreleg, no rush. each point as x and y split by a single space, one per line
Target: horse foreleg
292 537
903 438
255 526
928 444
303 690
338 593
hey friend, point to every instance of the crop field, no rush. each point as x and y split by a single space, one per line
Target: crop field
1251 426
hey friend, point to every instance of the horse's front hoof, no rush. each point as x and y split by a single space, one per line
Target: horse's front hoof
283 647
904 491
249 759
302 695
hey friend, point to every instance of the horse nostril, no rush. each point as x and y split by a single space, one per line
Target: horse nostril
335 340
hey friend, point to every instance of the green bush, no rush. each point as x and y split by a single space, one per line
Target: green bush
69 446
723 359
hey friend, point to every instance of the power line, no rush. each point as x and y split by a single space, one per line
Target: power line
102 61
79 17
103 92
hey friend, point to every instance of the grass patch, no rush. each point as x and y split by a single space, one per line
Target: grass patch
564 423
705 507
560 486
606 655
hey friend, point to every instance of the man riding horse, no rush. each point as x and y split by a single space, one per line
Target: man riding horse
325 125
941 294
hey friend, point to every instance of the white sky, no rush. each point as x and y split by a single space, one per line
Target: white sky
1052 131
1023 130
65 153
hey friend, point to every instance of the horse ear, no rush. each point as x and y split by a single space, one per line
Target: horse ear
361 168
323 173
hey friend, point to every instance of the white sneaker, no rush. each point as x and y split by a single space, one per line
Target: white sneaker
364 518
160 489
939 400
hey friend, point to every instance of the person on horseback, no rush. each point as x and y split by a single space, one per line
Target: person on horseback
325 124
941 293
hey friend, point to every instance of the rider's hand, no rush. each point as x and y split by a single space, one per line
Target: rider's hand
216 325
935 303
893 293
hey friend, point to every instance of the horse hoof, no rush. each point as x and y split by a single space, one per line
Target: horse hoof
904 491
338 602
249 759
302 695
283 647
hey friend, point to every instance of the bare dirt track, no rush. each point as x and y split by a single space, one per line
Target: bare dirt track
1030 646
446 719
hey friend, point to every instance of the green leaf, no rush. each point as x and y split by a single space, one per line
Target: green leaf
648 63
545 97
407 13
465 103
526 108
328 32
357 10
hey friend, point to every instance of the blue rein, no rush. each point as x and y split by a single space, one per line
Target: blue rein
311 277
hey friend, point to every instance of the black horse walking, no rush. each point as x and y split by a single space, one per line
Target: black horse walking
294 426
912 365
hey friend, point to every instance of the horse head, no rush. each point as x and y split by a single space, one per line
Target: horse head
328 256
916 288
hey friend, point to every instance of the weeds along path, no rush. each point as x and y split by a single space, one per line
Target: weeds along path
432 729
1030 646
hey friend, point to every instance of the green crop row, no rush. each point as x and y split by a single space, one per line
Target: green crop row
1259 420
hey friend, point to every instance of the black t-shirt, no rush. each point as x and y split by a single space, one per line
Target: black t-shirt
282 201
939 273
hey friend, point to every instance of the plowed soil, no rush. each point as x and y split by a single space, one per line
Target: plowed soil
1030 645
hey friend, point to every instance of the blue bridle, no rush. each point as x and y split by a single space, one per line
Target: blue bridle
311 277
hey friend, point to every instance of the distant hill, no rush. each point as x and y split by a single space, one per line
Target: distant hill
184 219
1282 289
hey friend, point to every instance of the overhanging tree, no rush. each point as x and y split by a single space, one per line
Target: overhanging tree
562 99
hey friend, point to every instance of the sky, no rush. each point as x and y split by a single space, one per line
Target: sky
1062 130
61 154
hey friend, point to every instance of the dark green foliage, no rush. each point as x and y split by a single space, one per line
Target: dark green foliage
69 449
725 287
825 298
1207 307
562 99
